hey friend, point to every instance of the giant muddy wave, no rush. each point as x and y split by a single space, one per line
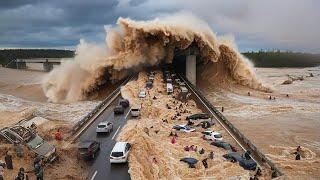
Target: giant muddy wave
132 44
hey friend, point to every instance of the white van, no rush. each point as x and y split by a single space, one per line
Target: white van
169 88
135 111
120 152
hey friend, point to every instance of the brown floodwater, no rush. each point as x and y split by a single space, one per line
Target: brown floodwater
278 126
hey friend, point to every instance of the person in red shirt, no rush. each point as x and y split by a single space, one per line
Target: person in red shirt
58 135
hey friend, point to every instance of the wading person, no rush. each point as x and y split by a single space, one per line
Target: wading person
204 162
22 175
8 160
38 168
58 135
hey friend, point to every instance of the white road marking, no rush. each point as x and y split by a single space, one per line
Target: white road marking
94 175
127 114
115 133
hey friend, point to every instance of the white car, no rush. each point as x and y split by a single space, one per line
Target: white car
135 111
183 128
212 135
142 94
169 88
104 127
184 89
120 152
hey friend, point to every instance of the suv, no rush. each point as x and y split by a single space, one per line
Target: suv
118 109
120 152
124 103
28 136
88 149
135 111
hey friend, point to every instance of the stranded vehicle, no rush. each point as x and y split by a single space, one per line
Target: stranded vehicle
124 103
88 149
120 152
169 88
183 128
212 135
118 109
135 111
104 127
199 117
245 161
29 137
142 94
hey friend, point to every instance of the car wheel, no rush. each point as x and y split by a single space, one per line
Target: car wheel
233 160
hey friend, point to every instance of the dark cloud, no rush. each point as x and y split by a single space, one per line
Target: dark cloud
9 4
287 24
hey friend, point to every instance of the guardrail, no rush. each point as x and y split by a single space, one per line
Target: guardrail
245 141
85 119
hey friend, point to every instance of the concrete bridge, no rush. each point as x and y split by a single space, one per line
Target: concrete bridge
41 64
185 63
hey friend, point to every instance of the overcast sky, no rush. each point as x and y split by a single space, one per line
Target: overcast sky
256 24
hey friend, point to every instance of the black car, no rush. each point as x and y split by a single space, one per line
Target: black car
201 116
118 109
245 161
222 144
149 85
205 124
124 103
88 149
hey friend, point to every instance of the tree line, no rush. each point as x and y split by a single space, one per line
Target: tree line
283 59
259 59
7 55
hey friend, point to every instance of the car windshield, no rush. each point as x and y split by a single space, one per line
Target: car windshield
117 154
35 142
101 126
218 136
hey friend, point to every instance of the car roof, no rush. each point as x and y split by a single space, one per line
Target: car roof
85 143
200 115
208 131
136 107
215 133
103 123
119 146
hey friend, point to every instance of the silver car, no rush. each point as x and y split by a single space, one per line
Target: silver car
104 127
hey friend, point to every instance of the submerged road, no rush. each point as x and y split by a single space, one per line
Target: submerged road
100 167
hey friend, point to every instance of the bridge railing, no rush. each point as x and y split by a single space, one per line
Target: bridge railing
86 118
275 170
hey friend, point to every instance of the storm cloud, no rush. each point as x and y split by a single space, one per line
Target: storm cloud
286 25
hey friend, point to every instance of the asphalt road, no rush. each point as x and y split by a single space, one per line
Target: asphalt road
100 167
